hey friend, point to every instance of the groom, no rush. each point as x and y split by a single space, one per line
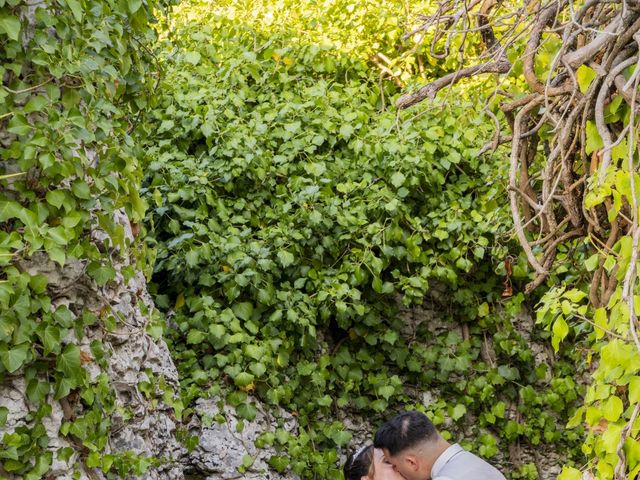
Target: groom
417 451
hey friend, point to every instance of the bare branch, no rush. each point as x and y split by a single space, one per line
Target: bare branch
430 90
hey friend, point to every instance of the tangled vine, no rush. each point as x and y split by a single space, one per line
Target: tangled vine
573 162
560 113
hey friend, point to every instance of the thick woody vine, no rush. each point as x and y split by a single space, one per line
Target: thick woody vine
573 178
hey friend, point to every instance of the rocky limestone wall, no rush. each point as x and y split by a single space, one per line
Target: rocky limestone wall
148 428
223 444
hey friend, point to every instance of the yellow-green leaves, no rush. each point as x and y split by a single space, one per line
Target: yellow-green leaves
612 408
321 210
601 322
4 412
286 258
570 473
9 209
560 330
397 179
243 379
556 308
585 76
594 140
134 5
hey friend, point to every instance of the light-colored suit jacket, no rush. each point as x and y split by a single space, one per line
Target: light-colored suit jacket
456 463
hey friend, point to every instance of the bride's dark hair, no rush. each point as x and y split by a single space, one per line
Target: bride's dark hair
359 464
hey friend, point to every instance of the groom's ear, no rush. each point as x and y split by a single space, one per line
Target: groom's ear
411 460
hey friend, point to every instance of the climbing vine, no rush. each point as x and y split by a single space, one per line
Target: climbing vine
75 77
573 183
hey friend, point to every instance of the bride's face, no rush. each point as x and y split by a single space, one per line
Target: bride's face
382 469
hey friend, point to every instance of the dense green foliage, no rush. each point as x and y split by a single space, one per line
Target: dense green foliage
293 215
74 77
294 218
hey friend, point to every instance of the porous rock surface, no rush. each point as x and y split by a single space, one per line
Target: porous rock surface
223 445
131 352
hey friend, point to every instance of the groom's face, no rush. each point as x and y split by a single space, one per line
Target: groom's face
405 463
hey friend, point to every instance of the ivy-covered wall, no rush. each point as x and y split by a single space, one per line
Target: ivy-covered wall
295 216
75 316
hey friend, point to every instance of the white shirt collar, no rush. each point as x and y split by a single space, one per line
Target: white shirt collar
444 457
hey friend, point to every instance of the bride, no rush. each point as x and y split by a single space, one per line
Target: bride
369 463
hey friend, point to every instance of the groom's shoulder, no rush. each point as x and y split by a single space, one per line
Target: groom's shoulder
466 462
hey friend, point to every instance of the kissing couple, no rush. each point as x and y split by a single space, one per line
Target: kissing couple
409 447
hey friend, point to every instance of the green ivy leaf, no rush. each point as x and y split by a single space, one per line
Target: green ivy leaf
134 5
243 310
37 391
341 437
4 413
63 387
346 131
93 460
36 104
138 204
9 209
102 274
315 168
195 337
285 258
81 189
601 322
38 283
192 57
76 9
247 411
51 340
13 358
68 362
71 219
56 254
9 25
560 330
458 411
594 140
19 125
279 463
254 351
570 473
63 316
592 262
243 379
386 391
397 179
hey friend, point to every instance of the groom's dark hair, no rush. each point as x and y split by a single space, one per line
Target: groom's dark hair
405 431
